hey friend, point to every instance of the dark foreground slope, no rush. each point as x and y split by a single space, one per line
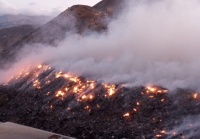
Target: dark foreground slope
73 106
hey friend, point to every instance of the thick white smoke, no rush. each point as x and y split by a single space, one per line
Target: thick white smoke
153 42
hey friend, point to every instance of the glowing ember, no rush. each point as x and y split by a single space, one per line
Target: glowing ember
162 100
75 79
152 89
111 89
92 85
84 97
195 95
91 97
158 135
47 82
66 76
163 131
151 96
75 89
66 89
39 66
87 107
26 73
60 93
126 115
36 84
59 74
155 90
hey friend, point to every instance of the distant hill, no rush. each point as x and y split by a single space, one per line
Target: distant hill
7 21
9 36
76 19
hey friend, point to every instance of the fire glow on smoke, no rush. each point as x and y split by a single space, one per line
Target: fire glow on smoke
81 88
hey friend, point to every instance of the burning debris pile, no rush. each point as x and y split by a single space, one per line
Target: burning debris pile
75 106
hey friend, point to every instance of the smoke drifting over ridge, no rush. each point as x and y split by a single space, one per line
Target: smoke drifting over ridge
153 42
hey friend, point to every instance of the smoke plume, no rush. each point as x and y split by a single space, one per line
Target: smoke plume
154 42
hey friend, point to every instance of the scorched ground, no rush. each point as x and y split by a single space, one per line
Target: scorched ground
56 101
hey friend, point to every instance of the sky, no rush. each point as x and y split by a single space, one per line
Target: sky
39 7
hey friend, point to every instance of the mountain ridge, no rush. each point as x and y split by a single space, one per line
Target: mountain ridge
77 19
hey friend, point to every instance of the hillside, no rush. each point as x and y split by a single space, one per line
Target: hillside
75 20
126 84
78 19
110 7
56 101
9 36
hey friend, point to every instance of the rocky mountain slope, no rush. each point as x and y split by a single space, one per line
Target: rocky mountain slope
78 19
75 20
110 7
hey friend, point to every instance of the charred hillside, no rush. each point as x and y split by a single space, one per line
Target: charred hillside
75 106
58 95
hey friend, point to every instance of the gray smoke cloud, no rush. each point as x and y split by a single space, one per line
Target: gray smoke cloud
153 42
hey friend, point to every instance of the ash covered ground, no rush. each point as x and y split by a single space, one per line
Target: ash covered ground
74 106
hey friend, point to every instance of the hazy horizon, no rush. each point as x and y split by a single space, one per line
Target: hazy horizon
36 7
